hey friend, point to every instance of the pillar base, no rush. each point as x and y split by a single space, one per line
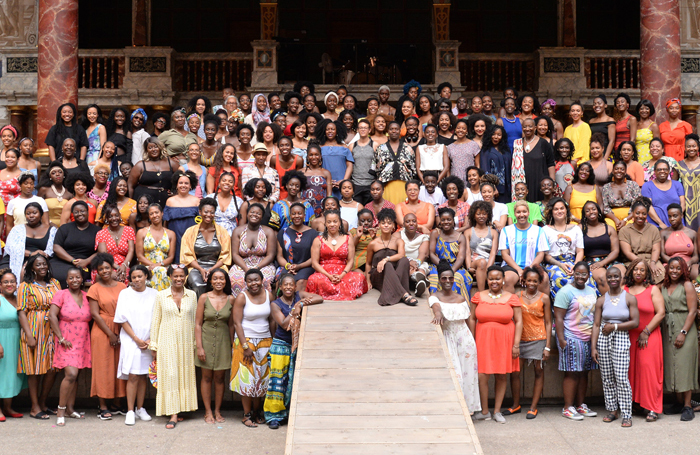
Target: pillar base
447 62
264 75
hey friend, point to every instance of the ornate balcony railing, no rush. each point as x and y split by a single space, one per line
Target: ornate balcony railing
612 69
100 69
212 72
495 72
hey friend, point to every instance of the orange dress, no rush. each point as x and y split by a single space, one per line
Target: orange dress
674 139
495 334
105 358
422 213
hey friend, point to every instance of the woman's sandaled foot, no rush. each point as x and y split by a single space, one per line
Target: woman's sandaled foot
626 422
171 424
248 420
259 418
610 418
409 300
652 416
208 418
61 418
219 418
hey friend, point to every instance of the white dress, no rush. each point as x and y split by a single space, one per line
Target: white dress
136 308
462 347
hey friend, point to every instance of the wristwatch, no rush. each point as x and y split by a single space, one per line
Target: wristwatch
244 346
684 332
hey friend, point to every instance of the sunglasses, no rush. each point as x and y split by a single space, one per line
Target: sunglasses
178 266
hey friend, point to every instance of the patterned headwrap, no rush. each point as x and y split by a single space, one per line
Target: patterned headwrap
11 128
550 101
193 115
257 115
412 83
142 112
668 103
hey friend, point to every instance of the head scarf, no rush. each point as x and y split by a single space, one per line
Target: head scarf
11 128
257 115
412 83
142 112
668 103
551 102
325 98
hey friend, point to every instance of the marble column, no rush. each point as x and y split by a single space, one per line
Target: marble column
690 115
660 50
18 119
141 22
58 61
566 33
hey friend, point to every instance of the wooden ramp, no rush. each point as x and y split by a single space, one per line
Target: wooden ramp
376 380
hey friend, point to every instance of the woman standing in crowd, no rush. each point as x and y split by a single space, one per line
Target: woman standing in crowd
258 191
453 188
363 153
647 130
228 204
106 161
337 158
117 241
26 161
15 208
582 190
34 296
511 123
318 178
286 312
574 310
204 247
619 194
70 318
8 137
499 211
680 355
262 171
496 320
627 153
601 246
103 295
451 311
533 159
294 183
662 191
640 239
646 352
564 167
674 130
66 127
294 249
565 245
349 207
461 154
118 195
254 246
656 150
388 268
213 332
547 109
9 177
253 324
378 202
425 212
181 209
11 382
53 190
74 244
604 124
300 142
610 346
446 243
625 123
332 258
349 119
473 185
134 313
119 132
26 240
481 253
194 156
285 162
689 169
173 345
432 156
70 160
535 338
225 160
579 133
156 255
678 240
394 164
497 159
100 189
244 151
79 185
153 175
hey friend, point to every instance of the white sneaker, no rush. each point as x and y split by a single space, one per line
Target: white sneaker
570 413
498 417
586 411
143 415
130 418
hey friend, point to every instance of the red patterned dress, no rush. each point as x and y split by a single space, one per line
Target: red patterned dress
9 189
353 284
118 251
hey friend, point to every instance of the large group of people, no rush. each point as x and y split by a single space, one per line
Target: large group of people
148 254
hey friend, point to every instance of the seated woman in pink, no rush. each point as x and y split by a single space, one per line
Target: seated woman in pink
332 257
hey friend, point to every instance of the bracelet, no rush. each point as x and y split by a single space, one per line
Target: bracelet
616 327
286 266
547 349
646 330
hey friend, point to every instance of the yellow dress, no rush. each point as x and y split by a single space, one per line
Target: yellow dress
642 141
172 337
579 199
55 209
157 252
125 212
581 137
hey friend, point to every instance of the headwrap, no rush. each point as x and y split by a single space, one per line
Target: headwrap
258 116
26 139
277 113
550 101
142 112
412 83
11 128
325 98
193 115
668 103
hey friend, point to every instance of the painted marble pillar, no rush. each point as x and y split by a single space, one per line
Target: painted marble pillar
660 49
58 61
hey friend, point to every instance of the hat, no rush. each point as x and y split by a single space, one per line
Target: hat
260 147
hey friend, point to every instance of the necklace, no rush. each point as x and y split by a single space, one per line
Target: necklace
530 297
385 245
615 300
334 241
495 297
347 202
509 120
527 146
59 196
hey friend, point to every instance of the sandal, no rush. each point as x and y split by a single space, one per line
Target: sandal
408 300
61 421
76 415
171 424
259 417
40 416
248 420
610 418
104 414
50 412
652 416
626 422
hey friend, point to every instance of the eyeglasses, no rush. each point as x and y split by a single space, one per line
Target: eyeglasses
160 120
178 266
102 173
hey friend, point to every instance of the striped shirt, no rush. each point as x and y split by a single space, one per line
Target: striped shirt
523 244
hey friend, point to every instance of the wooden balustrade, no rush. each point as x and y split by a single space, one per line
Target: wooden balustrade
495 72
209 73
612 70
100 71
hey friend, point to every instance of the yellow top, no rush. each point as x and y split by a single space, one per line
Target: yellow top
190 236
581 137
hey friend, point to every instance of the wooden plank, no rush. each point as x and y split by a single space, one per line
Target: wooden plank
376 364
366 341
372 409
341 385
380 436
374 396
377 354
371 326
368 376
380 422
385 449
322 319
295 390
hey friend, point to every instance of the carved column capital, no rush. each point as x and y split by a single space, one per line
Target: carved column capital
268 20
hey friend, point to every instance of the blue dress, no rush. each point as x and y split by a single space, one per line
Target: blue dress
463 281
296 249
11 382
514 130
179 220
661 199
202 181
335 158
282 208
498 164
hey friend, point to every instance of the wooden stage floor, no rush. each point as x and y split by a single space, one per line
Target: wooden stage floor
376 380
